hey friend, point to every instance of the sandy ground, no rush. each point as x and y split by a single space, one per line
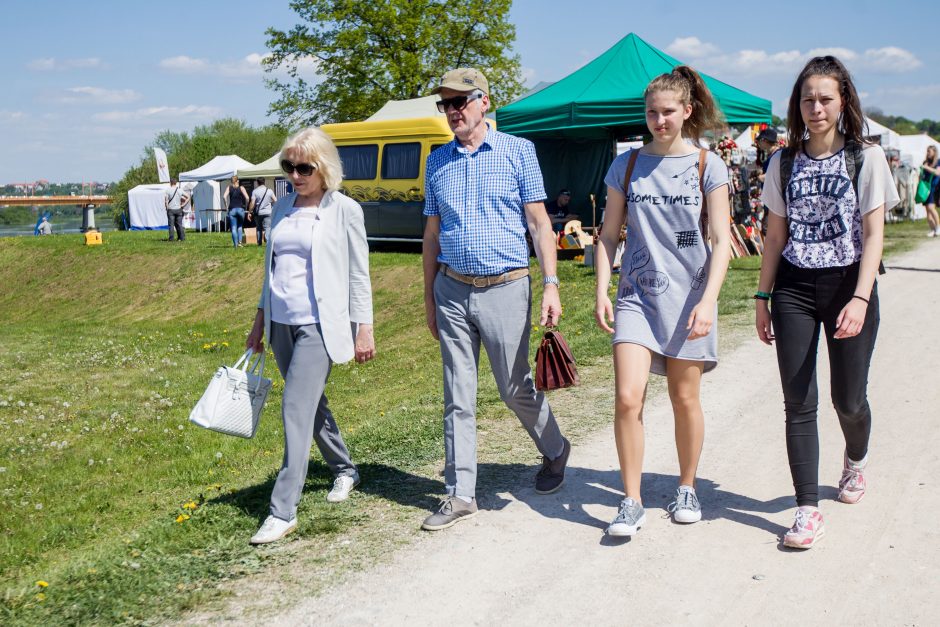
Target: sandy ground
545 559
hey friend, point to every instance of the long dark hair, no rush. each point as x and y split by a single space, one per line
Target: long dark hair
853 125
690 89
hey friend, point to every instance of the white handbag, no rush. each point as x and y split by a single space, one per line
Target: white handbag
233 400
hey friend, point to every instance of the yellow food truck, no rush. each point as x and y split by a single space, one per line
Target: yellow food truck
383 167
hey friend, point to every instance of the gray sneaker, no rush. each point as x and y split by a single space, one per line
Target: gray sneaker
451 511
686 508
552 475
629 519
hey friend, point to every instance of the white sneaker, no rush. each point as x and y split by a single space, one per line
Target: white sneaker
273 529
932 233
936 231
686 508
342 486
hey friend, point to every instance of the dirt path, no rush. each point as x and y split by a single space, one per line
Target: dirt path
545 559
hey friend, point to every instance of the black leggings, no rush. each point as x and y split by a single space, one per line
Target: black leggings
802 300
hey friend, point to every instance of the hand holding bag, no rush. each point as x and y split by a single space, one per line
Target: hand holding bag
554 363
233 400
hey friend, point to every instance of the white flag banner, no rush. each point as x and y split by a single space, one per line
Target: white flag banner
163 168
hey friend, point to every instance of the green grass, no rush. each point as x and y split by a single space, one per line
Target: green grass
105 350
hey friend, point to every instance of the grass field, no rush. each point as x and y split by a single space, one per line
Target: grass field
113 509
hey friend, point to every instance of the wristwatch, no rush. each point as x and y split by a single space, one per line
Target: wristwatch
550 279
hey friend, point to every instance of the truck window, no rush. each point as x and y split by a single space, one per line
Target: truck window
436 146
401 161
359 162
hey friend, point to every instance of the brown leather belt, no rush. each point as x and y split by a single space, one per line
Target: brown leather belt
484 281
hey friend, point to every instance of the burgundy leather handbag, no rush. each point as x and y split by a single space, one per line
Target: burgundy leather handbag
554 363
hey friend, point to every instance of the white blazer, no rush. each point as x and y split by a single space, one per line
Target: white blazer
341 282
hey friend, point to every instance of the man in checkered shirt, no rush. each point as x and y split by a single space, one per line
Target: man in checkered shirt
483 191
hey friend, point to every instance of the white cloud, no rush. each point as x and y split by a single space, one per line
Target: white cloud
185 65
10 116
711 58
248 67
890 59
528 75
51 64
691 48
159 113
98 95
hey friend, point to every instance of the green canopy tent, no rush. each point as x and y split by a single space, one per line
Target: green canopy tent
575 122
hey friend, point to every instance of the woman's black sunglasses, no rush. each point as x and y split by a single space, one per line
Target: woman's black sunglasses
457 102
303 169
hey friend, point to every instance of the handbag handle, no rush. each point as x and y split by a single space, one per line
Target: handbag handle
248 365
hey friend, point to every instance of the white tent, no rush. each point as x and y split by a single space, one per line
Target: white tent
219 168
269 168
887 138
744 140
147 209
914 148
424 107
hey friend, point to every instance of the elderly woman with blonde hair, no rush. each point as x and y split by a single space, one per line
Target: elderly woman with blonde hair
316 309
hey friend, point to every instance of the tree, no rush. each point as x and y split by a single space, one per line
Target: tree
368 53
187 151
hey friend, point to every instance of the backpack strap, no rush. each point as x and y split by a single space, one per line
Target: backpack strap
703 217
626 183
786 171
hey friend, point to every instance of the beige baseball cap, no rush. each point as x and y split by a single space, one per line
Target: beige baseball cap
463 79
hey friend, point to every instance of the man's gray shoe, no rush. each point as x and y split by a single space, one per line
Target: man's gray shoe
451 511
552 475
629 519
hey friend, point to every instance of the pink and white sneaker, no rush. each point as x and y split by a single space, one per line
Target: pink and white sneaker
852 484
807 529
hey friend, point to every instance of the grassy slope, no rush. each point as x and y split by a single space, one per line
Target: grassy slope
104 351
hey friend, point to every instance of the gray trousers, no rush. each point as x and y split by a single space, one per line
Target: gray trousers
499 317
305 365
262 227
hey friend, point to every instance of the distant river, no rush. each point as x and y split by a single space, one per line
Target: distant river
60 224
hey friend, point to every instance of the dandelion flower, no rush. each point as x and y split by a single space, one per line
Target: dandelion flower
42 584
218 455
40 596
191 505
182 517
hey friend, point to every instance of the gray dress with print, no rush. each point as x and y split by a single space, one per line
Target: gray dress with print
665 262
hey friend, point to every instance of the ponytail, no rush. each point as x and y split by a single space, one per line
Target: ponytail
690 89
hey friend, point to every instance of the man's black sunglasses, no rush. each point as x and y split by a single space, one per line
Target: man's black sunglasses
303 169
457 102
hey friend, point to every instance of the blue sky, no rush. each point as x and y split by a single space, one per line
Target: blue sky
87 84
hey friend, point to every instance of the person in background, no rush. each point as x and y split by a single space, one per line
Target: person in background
484 191
173 199
821 254
768 144
670 278
559 212
262 200
930 172
236 200
44 227
316 310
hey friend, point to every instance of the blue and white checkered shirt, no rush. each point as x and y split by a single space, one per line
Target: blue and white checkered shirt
480 197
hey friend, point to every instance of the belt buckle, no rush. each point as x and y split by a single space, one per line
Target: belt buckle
483 281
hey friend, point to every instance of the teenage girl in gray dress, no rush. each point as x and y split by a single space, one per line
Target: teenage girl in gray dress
669 281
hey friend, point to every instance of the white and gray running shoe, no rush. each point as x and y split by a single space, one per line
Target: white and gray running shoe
629 519
686 508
